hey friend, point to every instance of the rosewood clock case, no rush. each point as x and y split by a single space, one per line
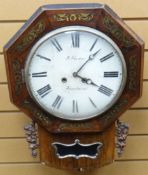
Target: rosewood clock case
48 18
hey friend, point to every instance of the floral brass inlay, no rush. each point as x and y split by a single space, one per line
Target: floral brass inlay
115 109
30 36
85 125
118 32
16 66
73 17
132 73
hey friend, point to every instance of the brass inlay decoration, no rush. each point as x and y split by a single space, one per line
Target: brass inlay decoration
37 113
118 32
85 125
30 36
73 17
132 73
16 66
115 109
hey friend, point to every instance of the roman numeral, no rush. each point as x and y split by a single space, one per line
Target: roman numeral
75 40
39 74
44 91
45 58
111 74
75 106
57 102
93 45
56 45
107 57
92 103
105 90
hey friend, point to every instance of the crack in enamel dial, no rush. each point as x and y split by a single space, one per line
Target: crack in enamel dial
75 72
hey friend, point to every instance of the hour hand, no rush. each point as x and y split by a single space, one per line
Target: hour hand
89 81
85 80
75 74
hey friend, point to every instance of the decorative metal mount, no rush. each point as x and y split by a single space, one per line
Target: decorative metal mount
122 130
77 150
31 137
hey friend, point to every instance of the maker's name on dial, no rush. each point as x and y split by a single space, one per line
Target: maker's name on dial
75 88
74 58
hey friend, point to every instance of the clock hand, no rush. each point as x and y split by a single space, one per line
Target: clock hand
91 57
83 79
87 81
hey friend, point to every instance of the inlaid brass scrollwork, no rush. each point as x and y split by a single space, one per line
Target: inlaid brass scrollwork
16 66
117 31
31 35
73 17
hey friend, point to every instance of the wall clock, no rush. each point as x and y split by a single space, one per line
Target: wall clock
74 69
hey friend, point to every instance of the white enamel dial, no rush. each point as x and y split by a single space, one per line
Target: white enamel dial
75 72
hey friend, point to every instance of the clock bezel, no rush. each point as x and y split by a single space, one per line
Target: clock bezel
81 29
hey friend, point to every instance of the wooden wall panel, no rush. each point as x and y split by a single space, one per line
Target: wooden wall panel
15 150
143 101
12 124
5 104
15 156
136 148
117 168
6 33
9 9
145 75
137 121
2 70
141 28
123 168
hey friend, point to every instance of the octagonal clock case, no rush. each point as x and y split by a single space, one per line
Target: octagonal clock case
74 69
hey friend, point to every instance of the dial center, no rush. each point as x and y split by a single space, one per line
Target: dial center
64 80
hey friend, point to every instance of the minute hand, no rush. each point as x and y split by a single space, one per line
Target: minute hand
91 57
